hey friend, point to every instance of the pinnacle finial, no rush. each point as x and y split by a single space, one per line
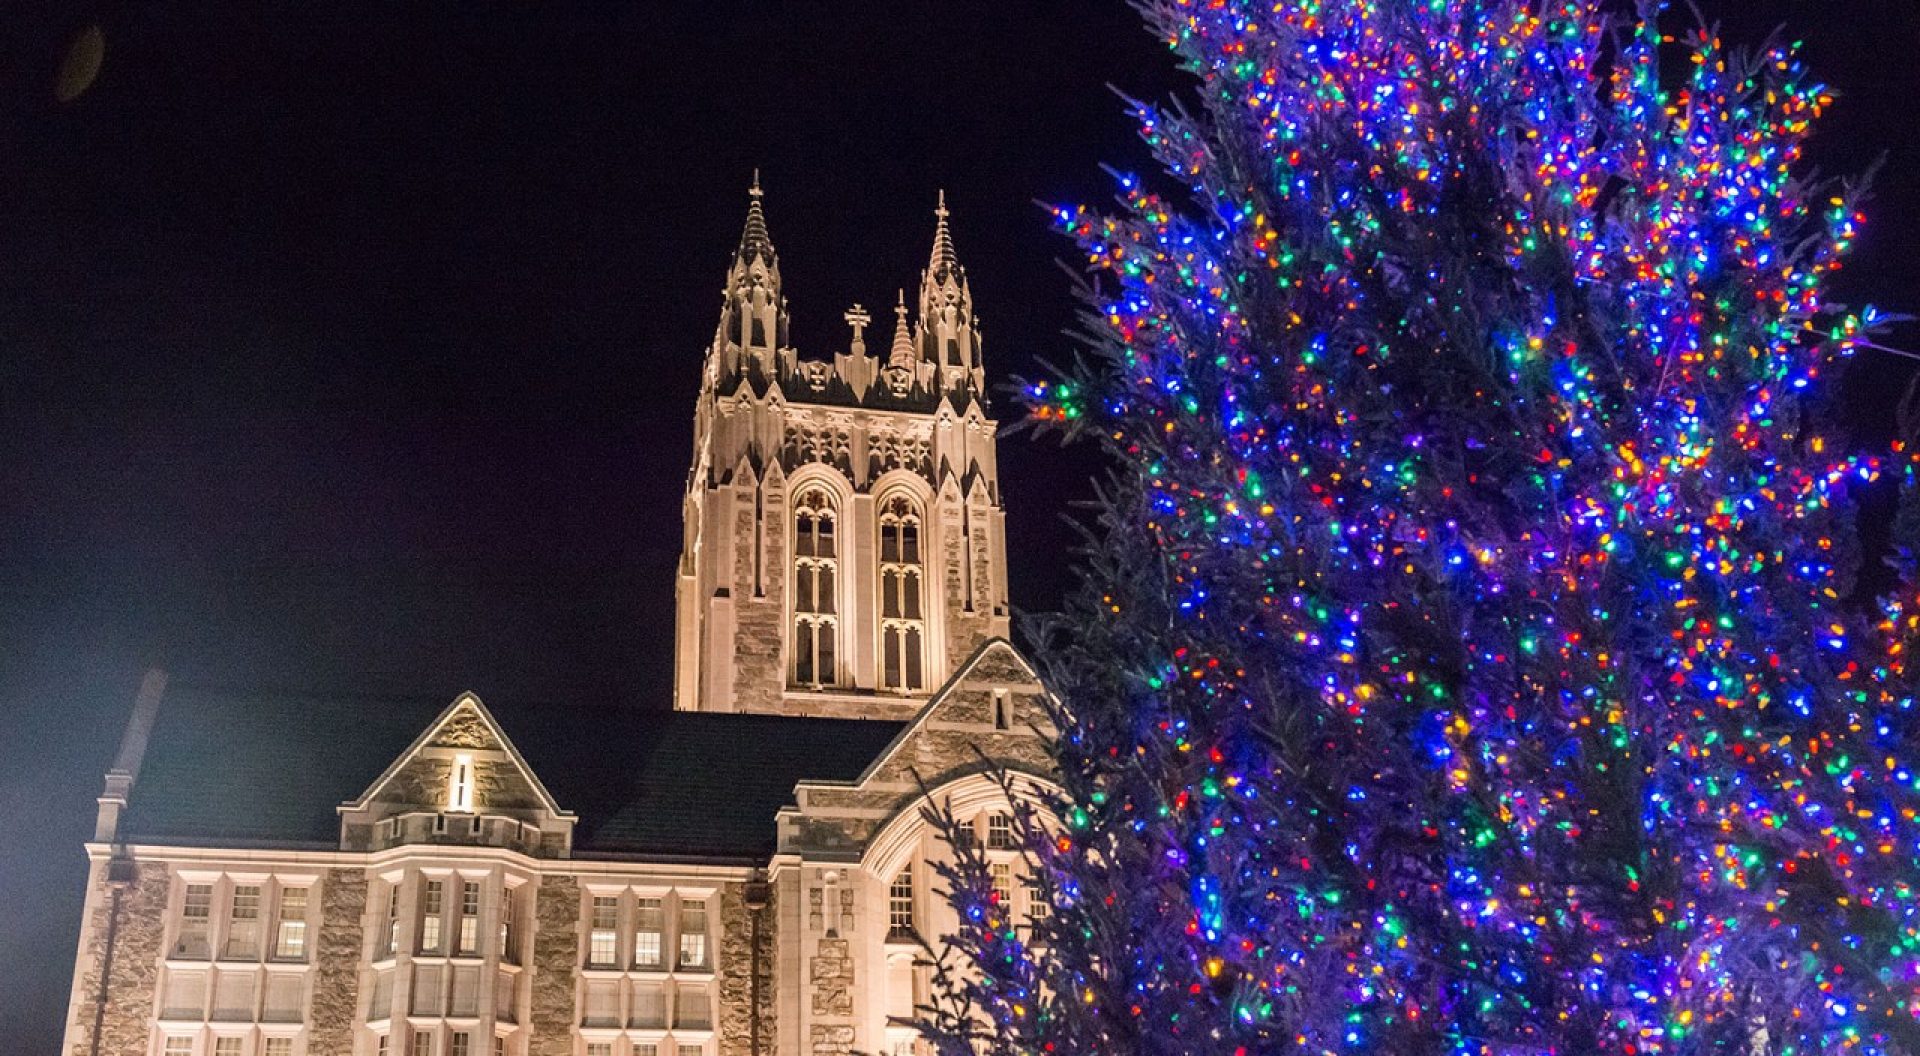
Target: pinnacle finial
901 355
944 261
754 241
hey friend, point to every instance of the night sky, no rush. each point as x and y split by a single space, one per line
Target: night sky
355 347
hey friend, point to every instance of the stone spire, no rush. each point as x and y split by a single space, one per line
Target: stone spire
755 244
753 320
902 355
944 264
949 334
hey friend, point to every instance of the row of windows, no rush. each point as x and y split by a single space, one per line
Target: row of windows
434 1043
224 1045
815 614
645 1004
232 915
244 995
648 926
447 920
903 909
644 1048
442 990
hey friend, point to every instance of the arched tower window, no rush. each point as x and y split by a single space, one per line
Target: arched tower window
816 563
902 625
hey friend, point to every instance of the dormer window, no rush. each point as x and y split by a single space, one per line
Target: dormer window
460 784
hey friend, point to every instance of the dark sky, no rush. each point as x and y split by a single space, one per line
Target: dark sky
357 350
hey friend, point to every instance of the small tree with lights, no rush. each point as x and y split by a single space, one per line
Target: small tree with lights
1466 661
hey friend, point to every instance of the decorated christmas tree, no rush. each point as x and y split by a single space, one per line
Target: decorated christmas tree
1469 660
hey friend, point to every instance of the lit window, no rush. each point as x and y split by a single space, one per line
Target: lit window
226 1046
1000 832
1038 908
393 919
278 1047
469 937
243 929
815 564
693 934
290 939
507 951
649 925
606 918
195 910
1003 883
900 905
461 1041
902 630
432 906
460 785
179 1045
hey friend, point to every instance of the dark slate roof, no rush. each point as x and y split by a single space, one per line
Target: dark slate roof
250 768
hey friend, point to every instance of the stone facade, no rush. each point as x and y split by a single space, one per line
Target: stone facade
337 956
457 913
122 939
866 430
556 953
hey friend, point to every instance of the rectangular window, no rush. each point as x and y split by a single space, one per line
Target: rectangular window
649 926
900 905
432 906
507 951
233 996
381 1047
186 995
599 1048
649 1005
693 934
179 1045
1038 908
603 927
285 997
603 1004
278 1047
645 1048
290 938
466 992
503 997
461 1041
691 1009
243 928
226 1046
460 785
422 1043
691 1050
1000 831
428 987
499 1046
469 938
195 910
1003 883
393 921
380 1004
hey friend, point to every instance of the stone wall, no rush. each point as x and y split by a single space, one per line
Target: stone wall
759 648
735 1027
336 961
138 927
556 952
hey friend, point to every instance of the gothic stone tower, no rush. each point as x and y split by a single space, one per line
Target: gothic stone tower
844 546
